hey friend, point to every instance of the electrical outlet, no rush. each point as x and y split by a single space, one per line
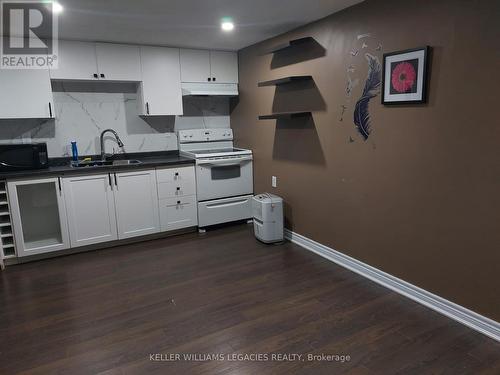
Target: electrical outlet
274 181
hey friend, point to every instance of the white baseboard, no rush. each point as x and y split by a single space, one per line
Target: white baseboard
456 312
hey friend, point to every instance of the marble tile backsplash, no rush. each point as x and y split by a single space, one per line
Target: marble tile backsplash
81 116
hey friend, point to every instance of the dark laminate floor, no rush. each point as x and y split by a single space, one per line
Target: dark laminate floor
107 311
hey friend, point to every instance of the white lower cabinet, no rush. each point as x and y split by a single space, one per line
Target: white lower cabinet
91 209
176 175
54 214
176 189
178 213
177 197
38 212
111 206
136 201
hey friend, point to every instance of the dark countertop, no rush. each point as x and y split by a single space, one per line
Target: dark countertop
62 167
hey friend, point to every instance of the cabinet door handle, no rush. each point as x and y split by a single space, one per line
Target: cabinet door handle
209 79
147 108
109 180
95 75
178 202
50 109
59 183
102 75
213 79
116 180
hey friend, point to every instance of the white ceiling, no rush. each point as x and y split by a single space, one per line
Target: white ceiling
189 23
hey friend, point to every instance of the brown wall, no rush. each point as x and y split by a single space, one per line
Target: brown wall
420 199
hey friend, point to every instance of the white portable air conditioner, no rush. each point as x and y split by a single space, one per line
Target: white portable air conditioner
268 217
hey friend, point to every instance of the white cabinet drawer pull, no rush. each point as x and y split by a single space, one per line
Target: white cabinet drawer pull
235 203
182 174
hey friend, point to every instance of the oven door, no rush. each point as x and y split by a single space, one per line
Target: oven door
224 177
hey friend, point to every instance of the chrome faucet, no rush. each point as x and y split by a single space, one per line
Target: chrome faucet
118 140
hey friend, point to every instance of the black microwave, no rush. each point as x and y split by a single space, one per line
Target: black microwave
19 157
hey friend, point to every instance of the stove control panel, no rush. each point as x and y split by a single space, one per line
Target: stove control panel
205 135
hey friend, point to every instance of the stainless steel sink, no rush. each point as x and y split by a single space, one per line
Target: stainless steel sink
126 162
92 163
101 163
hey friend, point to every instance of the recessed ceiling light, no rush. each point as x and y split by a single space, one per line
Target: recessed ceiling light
227 24
56 7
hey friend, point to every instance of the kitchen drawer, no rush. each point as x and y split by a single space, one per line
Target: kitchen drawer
181 188
175 174
224 210
177 213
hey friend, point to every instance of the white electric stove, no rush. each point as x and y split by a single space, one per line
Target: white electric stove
224 175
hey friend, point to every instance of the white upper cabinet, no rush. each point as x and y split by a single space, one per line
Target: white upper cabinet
156 66
224 66
158 70
209 66
195 65
91 209
82 61
25 94
160 91
136 201
77 61
118 62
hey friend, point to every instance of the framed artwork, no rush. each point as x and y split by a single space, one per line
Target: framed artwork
404 78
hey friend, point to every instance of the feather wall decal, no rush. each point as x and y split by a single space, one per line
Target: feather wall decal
361 36
371 90
351 84
343 108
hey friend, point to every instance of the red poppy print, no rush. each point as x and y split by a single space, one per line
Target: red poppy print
403 77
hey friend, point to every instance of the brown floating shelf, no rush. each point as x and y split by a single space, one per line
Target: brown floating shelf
291 43
284 80
280 115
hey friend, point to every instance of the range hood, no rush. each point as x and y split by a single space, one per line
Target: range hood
209 89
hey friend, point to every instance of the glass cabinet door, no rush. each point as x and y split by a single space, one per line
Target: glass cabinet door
39 216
